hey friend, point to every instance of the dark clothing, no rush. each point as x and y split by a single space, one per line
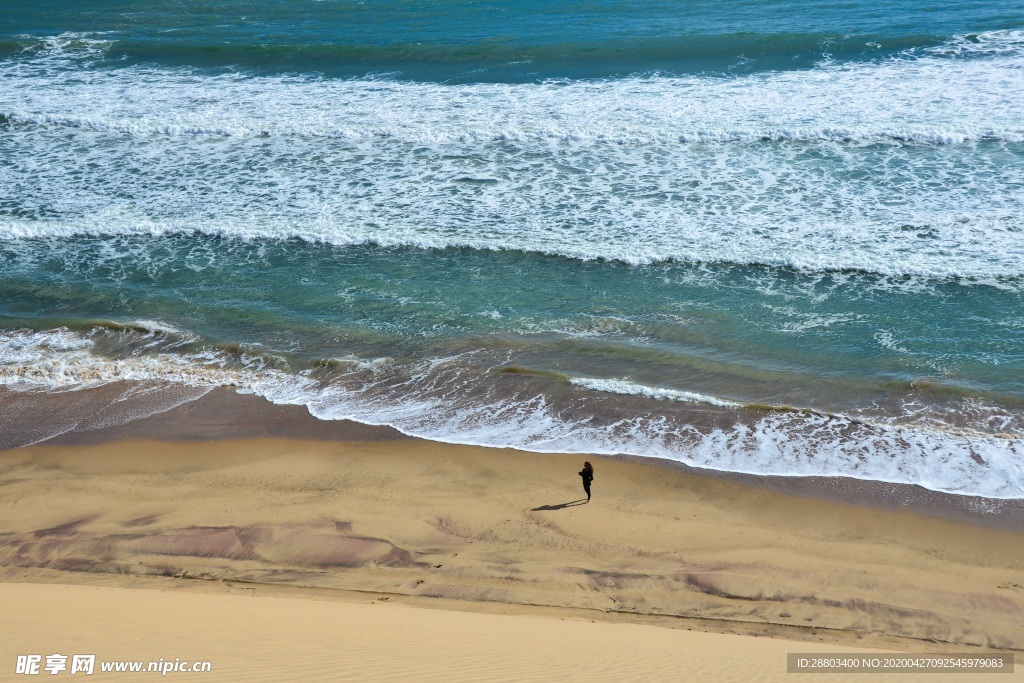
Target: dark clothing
587 478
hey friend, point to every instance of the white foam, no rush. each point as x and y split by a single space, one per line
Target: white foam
920 96
626 387
154 327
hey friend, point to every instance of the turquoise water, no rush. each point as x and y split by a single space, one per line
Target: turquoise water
773 237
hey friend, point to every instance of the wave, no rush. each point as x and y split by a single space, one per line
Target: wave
884 264
626 387
524 58
436 399
920 96
923 136
629 388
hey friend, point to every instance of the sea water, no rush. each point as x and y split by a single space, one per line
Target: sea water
778 238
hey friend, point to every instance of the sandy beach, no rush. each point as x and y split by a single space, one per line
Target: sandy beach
312 312
338 526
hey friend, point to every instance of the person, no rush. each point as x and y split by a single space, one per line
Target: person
588 476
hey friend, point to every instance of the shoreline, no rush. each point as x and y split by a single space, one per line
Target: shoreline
222 413
369 512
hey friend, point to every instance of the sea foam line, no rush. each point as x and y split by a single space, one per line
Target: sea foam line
778 443
923 136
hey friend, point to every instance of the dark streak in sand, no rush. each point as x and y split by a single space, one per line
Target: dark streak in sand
218 414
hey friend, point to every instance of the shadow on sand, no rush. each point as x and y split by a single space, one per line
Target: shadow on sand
561 506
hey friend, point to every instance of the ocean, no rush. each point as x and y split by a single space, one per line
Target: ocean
774 237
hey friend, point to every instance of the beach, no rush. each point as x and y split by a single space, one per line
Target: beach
423 531
312 312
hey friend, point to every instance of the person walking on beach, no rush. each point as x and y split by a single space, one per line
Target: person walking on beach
588 476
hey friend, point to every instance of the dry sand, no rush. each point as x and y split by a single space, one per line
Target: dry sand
475 530
284 638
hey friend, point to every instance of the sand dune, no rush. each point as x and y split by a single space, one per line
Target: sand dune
287 638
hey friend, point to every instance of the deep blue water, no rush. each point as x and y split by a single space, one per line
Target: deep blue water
507 41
